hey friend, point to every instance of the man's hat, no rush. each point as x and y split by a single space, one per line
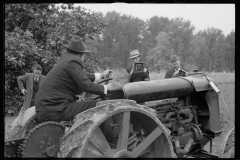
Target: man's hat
174 58
76 45
134 53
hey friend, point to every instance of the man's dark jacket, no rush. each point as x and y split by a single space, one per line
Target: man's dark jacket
170 73
27 79
61 85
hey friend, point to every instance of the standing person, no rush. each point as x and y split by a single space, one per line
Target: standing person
175 71
32 81
135 75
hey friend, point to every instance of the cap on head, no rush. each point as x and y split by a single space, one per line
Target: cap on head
77 46
174 58
134 53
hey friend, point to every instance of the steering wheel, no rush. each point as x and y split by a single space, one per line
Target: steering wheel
92 97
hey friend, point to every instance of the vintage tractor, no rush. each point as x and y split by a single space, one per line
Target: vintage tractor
173 118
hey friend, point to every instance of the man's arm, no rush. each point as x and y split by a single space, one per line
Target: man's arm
82 80
21 80
146 74
91 76
95 77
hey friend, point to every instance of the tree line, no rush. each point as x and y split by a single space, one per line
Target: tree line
36 33
159 38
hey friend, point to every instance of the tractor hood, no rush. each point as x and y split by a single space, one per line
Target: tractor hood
165 88
199 82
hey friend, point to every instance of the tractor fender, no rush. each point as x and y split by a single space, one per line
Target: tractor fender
15 127
29 113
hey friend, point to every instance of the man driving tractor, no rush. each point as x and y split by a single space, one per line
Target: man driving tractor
56 99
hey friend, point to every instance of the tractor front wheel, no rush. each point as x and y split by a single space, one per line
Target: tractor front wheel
227 147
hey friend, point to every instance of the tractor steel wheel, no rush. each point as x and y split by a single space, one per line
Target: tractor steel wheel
135 132
227 147
42 141
16 136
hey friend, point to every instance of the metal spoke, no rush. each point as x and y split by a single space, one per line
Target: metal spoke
123 135
99 140
146 142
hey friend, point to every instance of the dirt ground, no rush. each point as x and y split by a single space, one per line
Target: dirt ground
228 93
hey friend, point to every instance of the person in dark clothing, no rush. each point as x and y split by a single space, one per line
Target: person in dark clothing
56 98
175 71
136 75
31 81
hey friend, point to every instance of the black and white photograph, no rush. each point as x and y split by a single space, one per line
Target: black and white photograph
119 80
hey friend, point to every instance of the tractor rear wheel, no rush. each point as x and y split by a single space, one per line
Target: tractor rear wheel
42 141
117 129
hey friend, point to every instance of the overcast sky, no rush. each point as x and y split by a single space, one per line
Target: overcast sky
202 16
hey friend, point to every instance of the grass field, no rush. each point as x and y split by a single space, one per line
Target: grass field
219 78
225 82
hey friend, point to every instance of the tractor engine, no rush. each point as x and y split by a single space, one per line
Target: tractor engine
181 119
187 106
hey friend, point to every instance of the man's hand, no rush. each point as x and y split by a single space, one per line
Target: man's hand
175 74
24 91
107 74
145 69
114 85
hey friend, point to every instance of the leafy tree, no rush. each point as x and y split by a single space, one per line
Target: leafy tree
230 51
155 25
107 39
198 53
174 39
181 34
212 36
152 28
159 57
121 35
36 33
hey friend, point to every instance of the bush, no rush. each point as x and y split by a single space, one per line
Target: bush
35 34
